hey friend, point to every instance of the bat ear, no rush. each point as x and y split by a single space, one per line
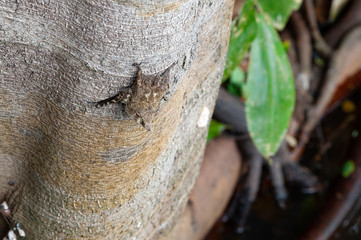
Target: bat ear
168 69
137 65
166 74
139 74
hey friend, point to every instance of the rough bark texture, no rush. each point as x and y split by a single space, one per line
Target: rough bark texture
86 172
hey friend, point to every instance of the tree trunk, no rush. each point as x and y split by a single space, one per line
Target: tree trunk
70 170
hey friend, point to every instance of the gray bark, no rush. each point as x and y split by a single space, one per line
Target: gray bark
90 173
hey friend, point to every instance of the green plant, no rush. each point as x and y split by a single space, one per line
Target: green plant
215 129
269 91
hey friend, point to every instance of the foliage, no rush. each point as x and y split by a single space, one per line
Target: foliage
269 90
236 82
215 129
278 12
243 32
348 168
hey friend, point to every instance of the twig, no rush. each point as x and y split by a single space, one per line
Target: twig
230 110
251 187
303 73
278 182
334 77
320 43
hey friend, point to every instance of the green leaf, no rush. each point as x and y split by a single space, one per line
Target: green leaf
286 45
348 168
243 31
233 90
236 82
215 129
277 12
270 93
237 77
